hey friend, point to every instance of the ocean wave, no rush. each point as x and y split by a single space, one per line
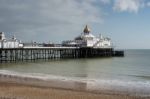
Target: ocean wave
111 85
32 75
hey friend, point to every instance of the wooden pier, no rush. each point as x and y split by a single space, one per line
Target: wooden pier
47 53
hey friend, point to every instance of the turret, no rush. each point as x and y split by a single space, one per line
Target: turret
13 38
86 30
2 36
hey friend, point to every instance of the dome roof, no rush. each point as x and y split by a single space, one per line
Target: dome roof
86 29
78 38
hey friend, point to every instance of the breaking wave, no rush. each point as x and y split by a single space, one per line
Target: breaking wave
141 88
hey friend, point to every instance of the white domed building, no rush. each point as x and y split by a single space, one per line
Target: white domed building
86 39
9 43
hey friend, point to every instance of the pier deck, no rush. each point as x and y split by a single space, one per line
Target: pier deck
47 53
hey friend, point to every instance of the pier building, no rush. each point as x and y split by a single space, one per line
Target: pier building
9 43
87 39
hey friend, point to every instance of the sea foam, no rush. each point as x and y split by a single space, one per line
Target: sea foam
112 86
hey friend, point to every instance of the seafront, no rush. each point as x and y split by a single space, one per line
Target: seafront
82 78
20 91
74 49
13 87
36 86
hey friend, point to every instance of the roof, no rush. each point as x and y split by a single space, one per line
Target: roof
86 29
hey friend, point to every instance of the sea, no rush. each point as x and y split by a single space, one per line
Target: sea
129 74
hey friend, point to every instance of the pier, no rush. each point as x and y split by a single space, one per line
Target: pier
49 53
86 45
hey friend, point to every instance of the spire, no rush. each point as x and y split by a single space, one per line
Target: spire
14 38
2 36
86 29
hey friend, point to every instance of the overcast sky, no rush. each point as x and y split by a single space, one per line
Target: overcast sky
127 22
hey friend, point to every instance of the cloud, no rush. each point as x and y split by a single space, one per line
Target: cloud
128 5
148 4
45 20
105 1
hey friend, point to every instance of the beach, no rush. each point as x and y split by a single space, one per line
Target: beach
16 87
21 91
99 78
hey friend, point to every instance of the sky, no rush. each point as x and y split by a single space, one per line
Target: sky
126 22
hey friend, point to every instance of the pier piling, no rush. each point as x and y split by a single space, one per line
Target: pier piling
47 53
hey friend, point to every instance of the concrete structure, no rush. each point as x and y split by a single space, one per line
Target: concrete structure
11 43
86 39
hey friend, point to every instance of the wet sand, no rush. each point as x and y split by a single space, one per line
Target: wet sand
19 91
13 87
